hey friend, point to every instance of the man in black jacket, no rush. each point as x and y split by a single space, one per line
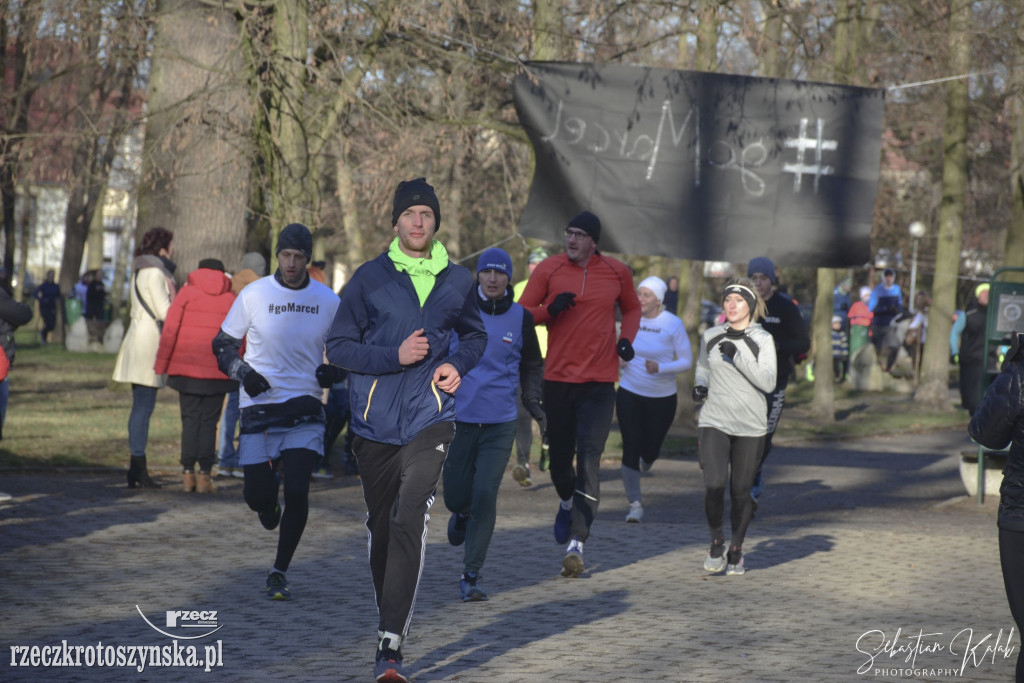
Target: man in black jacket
789 331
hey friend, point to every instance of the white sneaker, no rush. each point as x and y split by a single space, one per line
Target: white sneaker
636 512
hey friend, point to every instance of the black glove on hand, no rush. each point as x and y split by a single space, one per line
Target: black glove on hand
1016 347
255 383
728 350
625 350
538 414
733 333
561 302
328 375
700 393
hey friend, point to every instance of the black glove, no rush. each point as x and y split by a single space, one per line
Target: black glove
700 393
733 333
255 383
1016 347
728 350
328 375
561 303
538 414
625 350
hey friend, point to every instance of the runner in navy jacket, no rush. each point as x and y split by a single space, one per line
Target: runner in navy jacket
392 333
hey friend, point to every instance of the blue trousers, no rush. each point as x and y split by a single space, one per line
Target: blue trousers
143 403
227 454
472 475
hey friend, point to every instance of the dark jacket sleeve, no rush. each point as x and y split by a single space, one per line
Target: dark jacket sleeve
994 422
345 345
472 336
531 366
11 311
793 338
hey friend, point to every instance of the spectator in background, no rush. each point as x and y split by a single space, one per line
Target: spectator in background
152 290
886 303
841 300
671 302
95 306
48 296
917 332
973 359
185 355
840 350
254 266
82 287
524 421
12 315
860 321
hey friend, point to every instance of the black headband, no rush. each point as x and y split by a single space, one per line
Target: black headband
747 294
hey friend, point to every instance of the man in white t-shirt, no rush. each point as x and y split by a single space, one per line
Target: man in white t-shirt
284 319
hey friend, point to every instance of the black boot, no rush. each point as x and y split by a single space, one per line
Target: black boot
138 475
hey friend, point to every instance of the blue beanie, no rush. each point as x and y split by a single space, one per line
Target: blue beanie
763 265
495 259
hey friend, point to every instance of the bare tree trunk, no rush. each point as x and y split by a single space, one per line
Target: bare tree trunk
548 30
934 387
196 158
1014 252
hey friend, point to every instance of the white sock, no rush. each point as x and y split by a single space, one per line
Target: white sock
566 504
394 640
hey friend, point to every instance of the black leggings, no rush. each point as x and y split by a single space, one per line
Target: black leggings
261 488
719 453
1011 557
644 423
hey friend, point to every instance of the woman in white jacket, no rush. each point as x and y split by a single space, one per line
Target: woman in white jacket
736 367
152 290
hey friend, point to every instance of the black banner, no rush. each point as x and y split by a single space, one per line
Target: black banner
702 166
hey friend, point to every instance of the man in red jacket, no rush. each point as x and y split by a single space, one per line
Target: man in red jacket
575 295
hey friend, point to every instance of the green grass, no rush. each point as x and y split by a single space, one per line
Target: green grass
65 411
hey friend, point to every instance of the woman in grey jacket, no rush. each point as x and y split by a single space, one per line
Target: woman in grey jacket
736 367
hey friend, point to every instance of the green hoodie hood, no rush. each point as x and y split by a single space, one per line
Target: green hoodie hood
422 271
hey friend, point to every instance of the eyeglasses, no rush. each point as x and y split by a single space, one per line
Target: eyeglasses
575 234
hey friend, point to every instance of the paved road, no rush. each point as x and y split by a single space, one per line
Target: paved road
856 544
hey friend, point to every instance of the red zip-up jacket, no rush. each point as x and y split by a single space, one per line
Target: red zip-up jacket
193 320
582 339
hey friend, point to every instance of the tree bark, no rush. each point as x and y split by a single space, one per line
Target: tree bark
196 159
933 389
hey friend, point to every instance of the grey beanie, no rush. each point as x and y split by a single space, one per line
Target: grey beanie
255 262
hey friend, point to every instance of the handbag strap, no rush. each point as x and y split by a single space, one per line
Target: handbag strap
138 295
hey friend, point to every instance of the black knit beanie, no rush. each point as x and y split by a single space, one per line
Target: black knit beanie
295 236
588 223
416 192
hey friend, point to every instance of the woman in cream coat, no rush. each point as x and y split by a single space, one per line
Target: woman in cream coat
152 290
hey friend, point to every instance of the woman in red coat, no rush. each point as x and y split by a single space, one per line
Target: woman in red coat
186 356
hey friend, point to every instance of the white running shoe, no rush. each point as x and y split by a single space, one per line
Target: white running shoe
636 512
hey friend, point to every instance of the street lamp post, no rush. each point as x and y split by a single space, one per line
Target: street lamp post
917 231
